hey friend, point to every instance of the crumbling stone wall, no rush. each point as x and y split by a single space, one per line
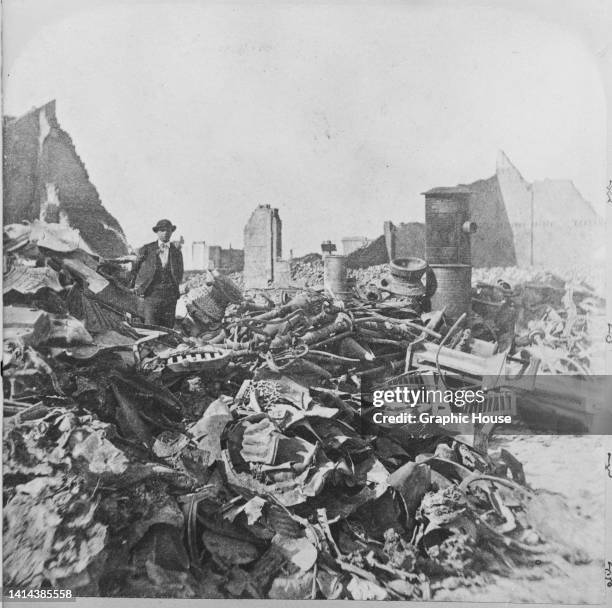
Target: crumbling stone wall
262 247
232 260
44 178
493 242
546 223
553 225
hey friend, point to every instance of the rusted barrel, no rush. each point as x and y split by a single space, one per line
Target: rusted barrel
334 274
450 286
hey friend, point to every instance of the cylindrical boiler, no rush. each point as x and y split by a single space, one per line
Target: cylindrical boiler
447 247
448 226
452 285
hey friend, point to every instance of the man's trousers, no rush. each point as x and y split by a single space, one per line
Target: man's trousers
159 309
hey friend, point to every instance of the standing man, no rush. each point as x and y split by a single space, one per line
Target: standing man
158 274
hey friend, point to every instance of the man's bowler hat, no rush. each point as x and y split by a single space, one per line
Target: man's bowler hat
164 225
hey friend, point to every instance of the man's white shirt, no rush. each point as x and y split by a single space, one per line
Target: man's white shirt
163 252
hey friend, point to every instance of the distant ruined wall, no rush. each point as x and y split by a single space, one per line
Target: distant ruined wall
45 178
545 223
562 243
493 243
226 260
406 240
516 195
262 247
232 260
553 225
211 257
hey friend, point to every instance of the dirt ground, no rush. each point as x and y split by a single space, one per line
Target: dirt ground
574 467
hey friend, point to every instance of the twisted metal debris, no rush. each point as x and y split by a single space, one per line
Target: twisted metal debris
235 457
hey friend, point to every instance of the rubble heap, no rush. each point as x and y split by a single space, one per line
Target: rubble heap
236 456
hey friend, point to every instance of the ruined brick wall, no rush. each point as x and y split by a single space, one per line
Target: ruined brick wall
545 223
22 193
232 260
493 242
40 161
552 224
282 273
262 247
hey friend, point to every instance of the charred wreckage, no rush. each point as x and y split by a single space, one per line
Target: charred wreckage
238 455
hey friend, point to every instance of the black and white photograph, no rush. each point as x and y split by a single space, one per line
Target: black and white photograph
306 301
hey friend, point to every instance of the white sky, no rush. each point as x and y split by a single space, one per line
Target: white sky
339 114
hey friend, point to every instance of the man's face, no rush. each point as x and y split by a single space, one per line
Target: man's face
164 235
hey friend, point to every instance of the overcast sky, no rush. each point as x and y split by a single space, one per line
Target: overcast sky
339 114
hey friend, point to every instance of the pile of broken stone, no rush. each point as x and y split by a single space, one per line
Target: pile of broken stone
234 456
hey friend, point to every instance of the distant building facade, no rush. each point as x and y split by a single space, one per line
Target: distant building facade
215 257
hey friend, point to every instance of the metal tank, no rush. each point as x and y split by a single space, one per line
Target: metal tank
451 285
448 226
448 251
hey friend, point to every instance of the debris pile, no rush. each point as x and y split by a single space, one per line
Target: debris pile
523 302
372 254
236 456
308 270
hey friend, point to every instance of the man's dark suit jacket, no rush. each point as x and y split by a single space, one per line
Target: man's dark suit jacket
147 263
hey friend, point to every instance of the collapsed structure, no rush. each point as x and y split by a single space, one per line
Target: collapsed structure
45 179
239 454
263 263
545 223
245 457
